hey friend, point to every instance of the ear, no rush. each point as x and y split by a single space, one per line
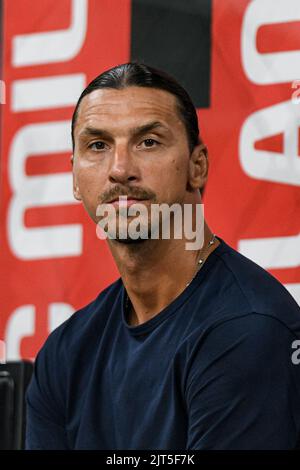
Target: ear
198 167
76 192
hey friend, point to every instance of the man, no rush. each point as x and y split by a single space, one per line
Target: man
188 349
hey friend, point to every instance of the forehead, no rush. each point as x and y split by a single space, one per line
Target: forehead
110 107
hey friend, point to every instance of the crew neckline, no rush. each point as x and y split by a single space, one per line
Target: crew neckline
149 325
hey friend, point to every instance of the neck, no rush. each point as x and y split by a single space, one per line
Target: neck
155 272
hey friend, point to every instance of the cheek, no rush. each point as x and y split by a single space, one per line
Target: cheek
89 178
178 173
171 181
91 185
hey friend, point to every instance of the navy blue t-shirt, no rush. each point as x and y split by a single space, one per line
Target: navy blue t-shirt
212 370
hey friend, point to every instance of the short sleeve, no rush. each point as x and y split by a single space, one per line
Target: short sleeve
242 387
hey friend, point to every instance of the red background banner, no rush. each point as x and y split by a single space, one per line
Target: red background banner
51 261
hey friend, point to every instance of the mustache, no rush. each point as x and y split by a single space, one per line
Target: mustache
132 192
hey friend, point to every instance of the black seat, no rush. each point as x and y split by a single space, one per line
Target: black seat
14 379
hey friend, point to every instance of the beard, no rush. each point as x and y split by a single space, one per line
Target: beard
129 241
128 229
125 235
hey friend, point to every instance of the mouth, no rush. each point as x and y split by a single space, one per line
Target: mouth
125 201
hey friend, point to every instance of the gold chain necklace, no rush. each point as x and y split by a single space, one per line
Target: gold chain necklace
199 265
202 259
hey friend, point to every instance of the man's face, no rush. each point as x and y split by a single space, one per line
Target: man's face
130 142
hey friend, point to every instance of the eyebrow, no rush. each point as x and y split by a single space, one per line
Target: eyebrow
136 131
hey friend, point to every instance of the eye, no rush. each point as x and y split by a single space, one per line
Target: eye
150 143
97 145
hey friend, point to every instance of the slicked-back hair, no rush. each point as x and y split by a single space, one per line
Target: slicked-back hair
142 75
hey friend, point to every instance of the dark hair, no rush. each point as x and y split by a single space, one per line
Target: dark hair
138 74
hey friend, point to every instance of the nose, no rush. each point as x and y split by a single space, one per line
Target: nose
123 167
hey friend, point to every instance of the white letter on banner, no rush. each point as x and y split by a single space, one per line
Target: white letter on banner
264 164
52 46
283 118
274 253
39 191
58 313
275 67
46 92
21 324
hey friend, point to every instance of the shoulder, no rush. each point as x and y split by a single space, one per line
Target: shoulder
244 349
242 387
78 335
246 286
92 315
68 349
247 342
261 329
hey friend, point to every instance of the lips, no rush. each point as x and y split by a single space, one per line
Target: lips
125 201
125 198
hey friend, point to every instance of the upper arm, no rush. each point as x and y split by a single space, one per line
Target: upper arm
243 389
45 415
43 434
